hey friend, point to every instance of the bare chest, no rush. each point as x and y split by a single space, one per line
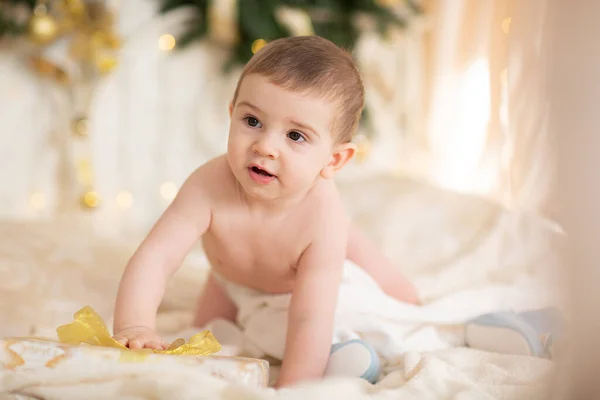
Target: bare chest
255 252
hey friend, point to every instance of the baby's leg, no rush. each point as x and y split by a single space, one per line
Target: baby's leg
214 303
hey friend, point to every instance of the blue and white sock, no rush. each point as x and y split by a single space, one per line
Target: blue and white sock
354 358
526 333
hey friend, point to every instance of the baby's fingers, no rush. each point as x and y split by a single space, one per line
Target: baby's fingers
140 342
153 345
135 344
122 340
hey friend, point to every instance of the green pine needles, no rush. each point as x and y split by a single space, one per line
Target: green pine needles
335 20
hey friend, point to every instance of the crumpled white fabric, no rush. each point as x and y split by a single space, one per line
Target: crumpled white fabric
365 311
263 317
465 255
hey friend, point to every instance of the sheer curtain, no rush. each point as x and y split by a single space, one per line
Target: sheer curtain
485 101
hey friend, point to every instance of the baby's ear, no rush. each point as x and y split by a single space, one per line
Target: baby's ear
230 109
342 153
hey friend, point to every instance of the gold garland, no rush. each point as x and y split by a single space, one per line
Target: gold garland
88 26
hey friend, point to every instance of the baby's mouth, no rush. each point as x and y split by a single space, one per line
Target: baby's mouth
259 171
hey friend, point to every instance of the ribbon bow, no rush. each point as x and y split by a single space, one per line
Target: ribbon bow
89 328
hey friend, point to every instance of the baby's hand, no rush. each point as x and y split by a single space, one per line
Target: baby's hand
140 337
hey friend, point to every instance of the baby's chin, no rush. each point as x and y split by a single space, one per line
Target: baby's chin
276 190
266 192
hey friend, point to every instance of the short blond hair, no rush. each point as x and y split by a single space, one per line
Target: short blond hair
315 65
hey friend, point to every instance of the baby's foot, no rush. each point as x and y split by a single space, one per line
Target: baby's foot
526 333
354 358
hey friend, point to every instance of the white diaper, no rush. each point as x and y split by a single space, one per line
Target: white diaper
263 316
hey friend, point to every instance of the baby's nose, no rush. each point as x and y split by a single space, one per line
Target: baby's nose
266 146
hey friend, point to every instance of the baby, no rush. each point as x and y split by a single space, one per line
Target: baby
267 212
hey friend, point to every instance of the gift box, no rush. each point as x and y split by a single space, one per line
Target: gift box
86 341
22 354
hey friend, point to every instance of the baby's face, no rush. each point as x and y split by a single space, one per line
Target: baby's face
279 140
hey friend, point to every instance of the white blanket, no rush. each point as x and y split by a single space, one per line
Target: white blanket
466 256
462 374
365 311
432 368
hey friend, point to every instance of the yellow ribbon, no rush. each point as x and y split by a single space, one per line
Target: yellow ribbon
89 328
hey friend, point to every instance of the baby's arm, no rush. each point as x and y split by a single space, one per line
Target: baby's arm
312 308
157 258
363 252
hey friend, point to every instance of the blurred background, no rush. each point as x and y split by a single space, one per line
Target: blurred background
106 106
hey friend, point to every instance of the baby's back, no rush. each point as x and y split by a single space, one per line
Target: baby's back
259 249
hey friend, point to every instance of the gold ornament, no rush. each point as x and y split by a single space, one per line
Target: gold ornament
88 27
43 28
90 200
258 44
75 7
80 126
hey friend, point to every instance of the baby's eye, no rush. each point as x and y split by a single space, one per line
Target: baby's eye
296 136
252 122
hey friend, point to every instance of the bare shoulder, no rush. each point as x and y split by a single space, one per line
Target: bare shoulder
328 224
200 191
327 210
209 172
209 179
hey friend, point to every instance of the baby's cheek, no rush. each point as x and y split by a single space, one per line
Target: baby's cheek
309 173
